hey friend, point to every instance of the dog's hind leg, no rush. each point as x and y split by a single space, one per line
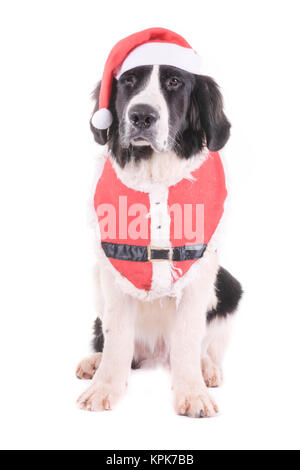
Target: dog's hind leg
213 351
87 367
219 321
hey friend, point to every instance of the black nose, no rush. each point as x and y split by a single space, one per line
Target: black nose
143 116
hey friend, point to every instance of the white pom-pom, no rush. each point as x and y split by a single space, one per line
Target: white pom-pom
102 119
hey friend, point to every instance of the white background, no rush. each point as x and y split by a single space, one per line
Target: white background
52 54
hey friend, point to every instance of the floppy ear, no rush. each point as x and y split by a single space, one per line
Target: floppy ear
100 135
213 121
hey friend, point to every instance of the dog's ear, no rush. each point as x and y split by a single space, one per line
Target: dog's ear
100 135
207 113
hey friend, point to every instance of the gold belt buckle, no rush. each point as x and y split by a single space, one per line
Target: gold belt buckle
155 248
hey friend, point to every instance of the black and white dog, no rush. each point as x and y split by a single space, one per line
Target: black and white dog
165 120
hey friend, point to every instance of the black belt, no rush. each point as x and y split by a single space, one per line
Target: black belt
151 253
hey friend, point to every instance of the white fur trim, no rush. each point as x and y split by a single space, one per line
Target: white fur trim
159 53
163 168
160 238
102 119
160 218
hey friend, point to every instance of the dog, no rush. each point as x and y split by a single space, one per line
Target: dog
166 121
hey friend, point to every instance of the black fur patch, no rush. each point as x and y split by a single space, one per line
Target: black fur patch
206 121
229 292
98 340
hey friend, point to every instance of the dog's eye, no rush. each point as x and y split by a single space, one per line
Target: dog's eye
173 83
129 80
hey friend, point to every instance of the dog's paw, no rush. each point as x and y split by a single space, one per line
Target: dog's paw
87 367
212 373
100 396
196 403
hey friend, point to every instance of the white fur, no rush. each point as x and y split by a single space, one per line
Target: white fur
118 319
152 95
163 168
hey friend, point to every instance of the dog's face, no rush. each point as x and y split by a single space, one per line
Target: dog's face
163 108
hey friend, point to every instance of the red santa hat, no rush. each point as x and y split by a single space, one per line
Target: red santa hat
154 46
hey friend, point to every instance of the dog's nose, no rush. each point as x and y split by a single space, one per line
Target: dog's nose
143 116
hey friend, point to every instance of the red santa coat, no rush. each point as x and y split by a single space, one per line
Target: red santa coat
202 194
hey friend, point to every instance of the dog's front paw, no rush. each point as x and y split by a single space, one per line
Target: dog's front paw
100 396
212 374
195 403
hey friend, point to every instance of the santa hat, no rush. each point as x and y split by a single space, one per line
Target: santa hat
154 46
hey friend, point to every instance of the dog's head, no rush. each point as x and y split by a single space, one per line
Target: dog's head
163 108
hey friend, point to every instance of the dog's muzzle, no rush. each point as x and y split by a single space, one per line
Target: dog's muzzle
142 130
